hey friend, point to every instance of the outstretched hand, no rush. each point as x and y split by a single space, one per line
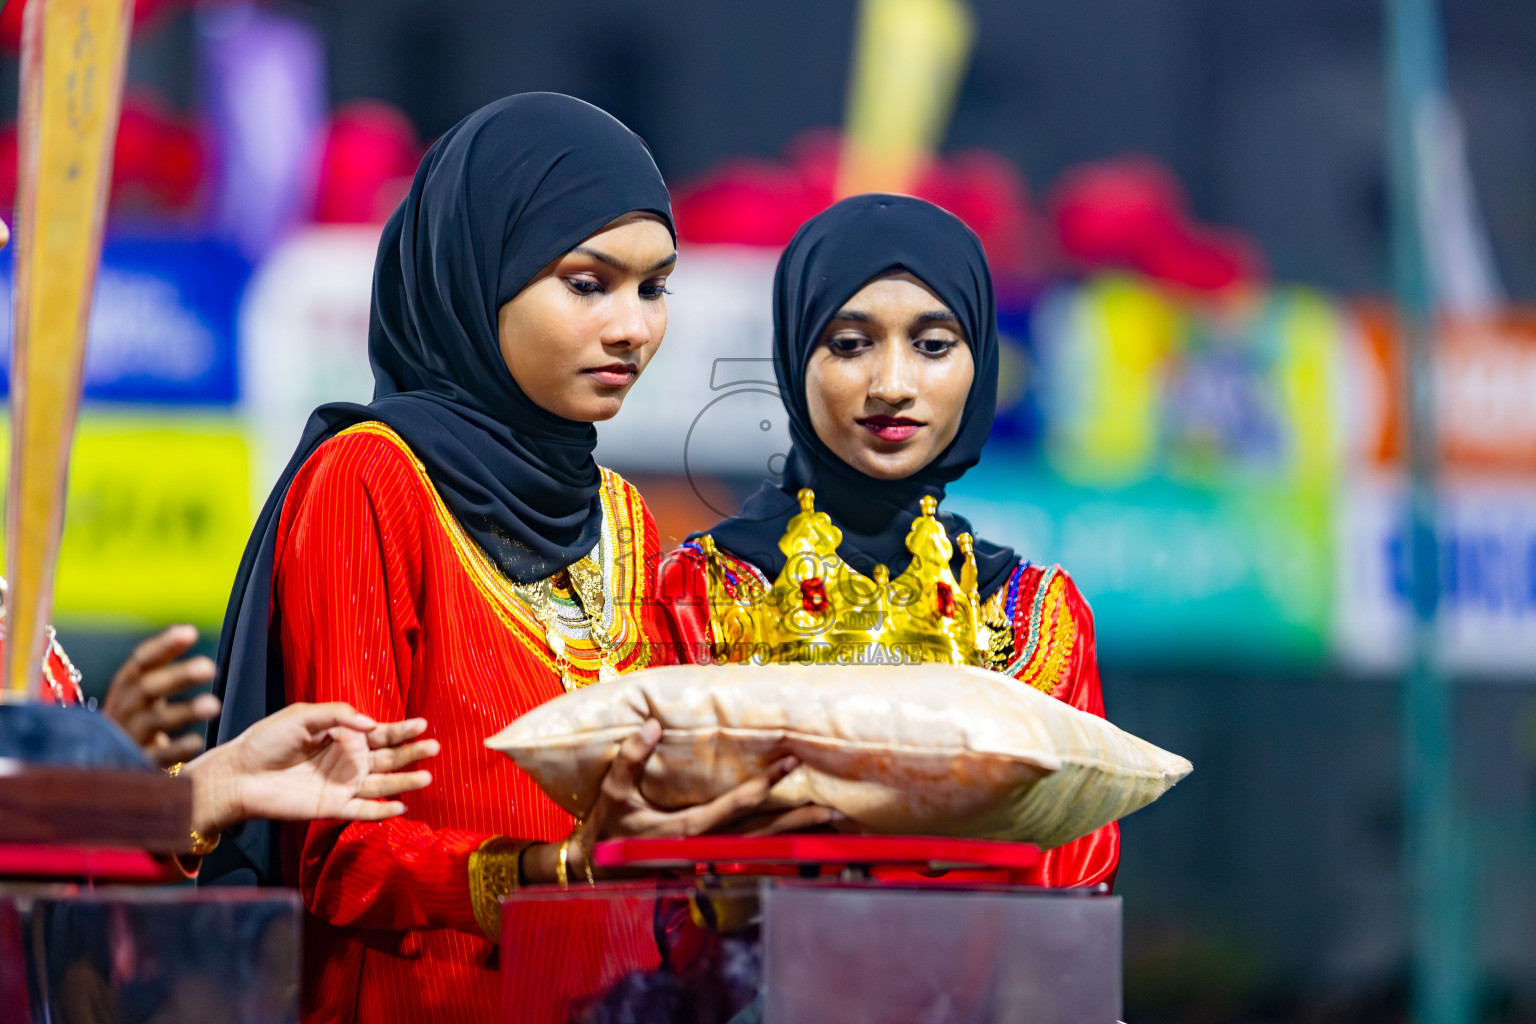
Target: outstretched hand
312 761
140 698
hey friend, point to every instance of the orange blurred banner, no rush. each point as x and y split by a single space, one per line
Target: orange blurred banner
1485 382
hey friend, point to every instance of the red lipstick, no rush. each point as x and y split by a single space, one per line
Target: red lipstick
891 428
615 375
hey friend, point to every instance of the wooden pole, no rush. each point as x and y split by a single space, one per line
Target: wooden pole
73 58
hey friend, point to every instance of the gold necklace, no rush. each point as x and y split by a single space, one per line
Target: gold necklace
586 581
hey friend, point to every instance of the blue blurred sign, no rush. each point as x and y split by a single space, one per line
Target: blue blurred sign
1486 623
163 327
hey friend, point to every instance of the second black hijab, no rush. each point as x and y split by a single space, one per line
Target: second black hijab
506 191
831 257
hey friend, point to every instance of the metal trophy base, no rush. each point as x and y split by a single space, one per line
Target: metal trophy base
867 954
748 942
118 956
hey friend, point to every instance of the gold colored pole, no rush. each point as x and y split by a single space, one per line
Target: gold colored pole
73 58
908 62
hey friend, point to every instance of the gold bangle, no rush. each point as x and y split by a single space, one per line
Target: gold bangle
202 846
495 871
563 869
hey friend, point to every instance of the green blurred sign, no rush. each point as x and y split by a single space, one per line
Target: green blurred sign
1176 575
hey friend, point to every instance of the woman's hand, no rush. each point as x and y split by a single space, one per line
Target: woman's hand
309 761
622 810
140 696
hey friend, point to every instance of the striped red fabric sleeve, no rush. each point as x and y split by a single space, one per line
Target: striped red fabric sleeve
1095 857
345 592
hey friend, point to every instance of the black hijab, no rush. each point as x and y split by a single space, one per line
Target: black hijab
831 257
505 192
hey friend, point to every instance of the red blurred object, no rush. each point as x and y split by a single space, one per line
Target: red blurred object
990 195
370 155
8 168
1131 212
814 850
158 164
762 202
11 14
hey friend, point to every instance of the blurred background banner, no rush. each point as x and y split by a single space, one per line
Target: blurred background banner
163 327
1186 206
158 511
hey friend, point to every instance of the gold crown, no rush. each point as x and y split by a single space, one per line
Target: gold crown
822 610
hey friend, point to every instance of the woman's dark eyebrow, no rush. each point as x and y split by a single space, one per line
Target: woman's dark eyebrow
618 264
937 316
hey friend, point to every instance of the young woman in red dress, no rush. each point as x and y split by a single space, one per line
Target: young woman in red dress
886 352
452 551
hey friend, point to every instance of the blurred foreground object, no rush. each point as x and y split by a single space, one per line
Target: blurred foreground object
907 65
73 57
77 785
750 943
113 954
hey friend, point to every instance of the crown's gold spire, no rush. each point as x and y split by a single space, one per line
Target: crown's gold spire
968 570
810 532
821 609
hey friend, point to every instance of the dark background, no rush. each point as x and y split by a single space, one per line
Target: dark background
1270 111
1268 886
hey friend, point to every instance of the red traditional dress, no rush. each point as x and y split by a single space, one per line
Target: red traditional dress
59 679
1050 647
382 601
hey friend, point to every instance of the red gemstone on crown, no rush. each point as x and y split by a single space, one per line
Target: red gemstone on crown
813 594
946 597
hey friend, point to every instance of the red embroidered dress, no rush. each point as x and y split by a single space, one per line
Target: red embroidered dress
59 679
381 600
1052 649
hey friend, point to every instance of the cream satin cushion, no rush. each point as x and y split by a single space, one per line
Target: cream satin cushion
914 750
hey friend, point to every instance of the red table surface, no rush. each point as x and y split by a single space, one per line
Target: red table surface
815 850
